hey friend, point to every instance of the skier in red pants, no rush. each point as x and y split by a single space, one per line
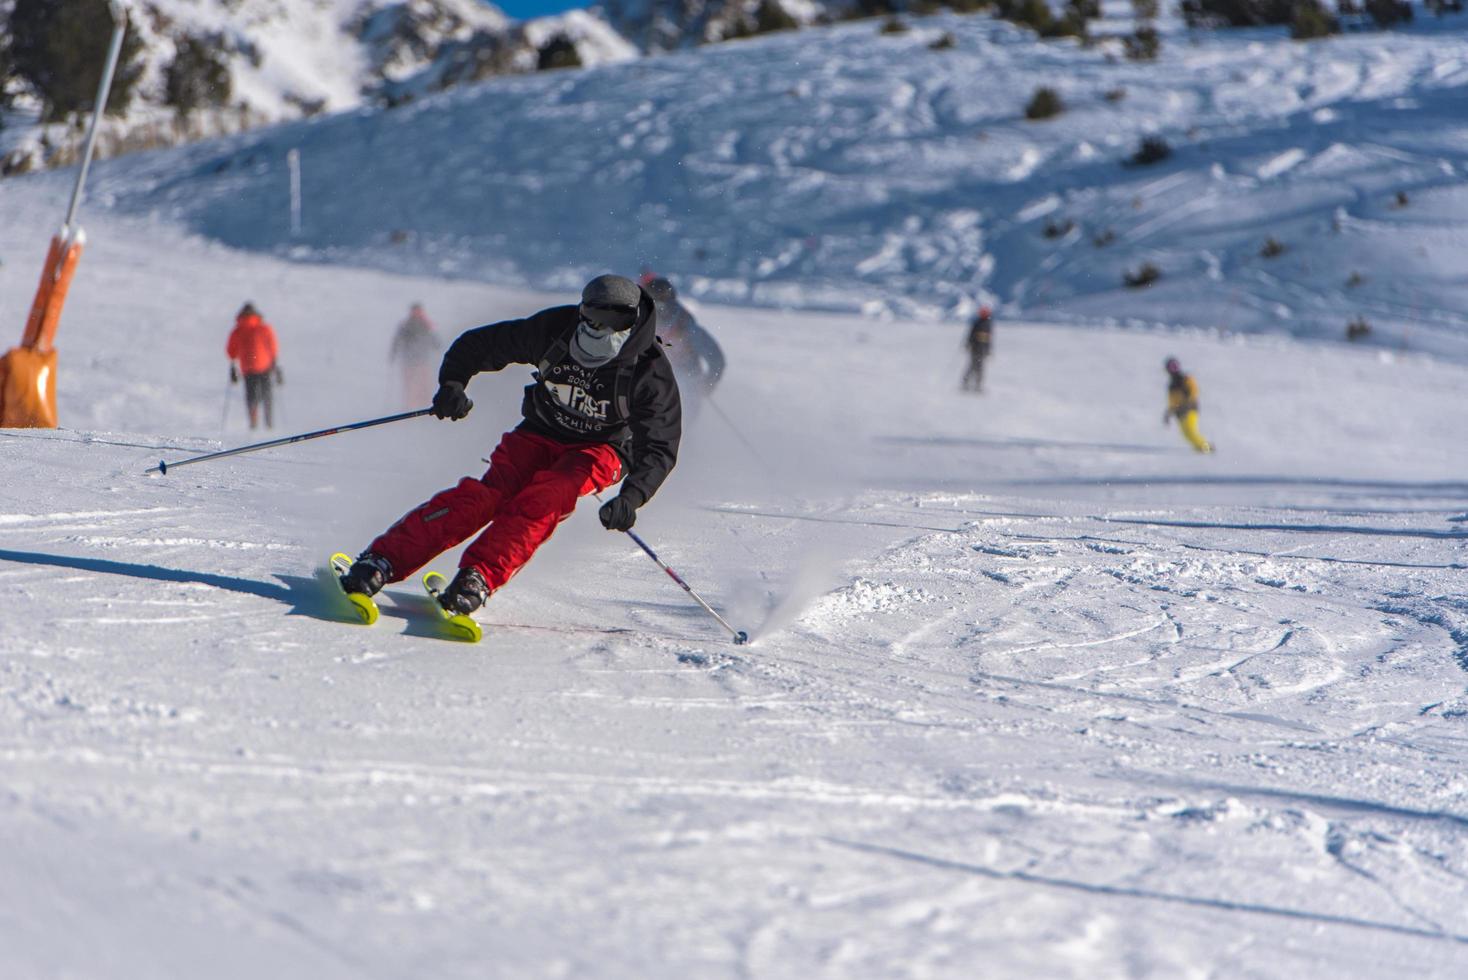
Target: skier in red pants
604 405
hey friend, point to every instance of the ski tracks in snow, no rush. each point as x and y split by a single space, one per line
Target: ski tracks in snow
1082 720
1173 647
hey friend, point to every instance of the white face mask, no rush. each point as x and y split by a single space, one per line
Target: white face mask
592 347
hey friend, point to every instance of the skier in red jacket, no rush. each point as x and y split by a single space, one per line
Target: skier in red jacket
252 350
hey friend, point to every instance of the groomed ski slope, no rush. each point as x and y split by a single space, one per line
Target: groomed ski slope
1035 690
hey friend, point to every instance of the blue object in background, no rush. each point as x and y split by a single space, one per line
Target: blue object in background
530 9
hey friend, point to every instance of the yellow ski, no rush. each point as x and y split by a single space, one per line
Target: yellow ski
458 625
363 605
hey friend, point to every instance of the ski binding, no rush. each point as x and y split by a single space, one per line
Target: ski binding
458 625
365 608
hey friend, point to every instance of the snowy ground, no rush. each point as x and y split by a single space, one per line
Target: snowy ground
1035 691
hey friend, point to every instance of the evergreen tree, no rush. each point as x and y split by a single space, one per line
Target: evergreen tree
1311 21
559 52
1388 12
770 17
197 77
1142 45
1145 42
7 68
59 47
1237 13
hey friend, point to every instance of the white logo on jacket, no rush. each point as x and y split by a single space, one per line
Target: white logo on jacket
579 400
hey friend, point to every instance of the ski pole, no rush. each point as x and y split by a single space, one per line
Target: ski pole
224 412
164 467
758 456
740 637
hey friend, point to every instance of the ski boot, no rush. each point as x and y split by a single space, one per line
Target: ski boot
360 580
456 600
367 576
466 593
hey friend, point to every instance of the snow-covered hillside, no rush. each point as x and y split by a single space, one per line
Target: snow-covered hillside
836 168
666 25
286 60
1035 691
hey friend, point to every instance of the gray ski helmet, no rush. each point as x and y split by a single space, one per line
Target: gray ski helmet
610 302
612 293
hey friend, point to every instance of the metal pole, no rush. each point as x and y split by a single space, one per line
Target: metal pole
293 160
164 467
114 50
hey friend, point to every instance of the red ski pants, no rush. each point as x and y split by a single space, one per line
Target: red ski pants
532 484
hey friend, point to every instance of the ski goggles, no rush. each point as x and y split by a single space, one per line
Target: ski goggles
608 319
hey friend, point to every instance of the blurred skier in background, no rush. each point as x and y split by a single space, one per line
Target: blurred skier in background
1182 401
698 361
253 353
414 350
980 337
604 405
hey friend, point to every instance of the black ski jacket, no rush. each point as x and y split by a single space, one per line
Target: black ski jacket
630 403
692 349
980 335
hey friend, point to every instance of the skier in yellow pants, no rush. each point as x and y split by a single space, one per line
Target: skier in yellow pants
1182 401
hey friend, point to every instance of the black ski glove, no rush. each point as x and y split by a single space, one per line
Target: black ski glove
618 514
450 402
234 374
279 378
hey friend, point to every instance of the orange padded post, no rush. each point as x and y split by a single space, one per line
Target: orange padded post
46 335
43 293
28 372
29 399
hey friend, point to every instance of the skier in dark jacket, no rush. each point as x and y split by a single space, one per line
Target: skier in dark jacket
604 405
696 355
980 338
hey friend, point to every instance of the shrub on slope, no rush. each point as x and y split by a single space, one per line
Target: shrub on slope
1044 104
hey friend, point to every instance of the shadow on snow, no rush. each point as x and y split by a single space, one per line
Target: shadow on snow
304 594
